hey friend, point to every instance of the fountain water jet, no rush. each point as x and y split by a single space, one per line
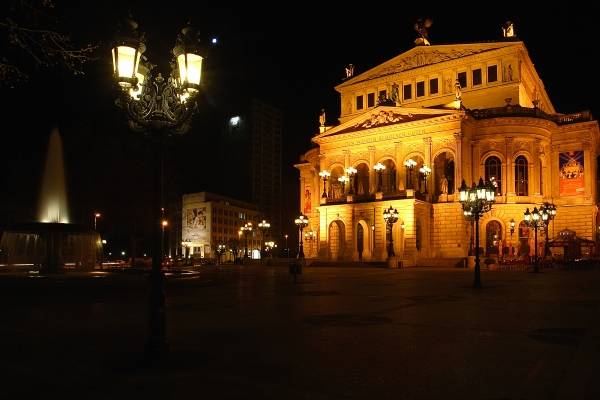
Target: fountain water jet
53 199
52 244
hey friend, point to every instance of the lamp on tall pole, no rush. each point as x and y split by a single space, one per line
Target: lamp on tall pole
536 219
264 227
324 175
512 230
425 171
96 216
390 217
351 172
246 229
475 202
287 249
410 164
379 167
301 222
550 209
342 180
157 107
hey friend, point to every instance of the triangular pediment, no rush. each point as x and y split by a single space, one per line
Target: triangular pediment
384 116
421 56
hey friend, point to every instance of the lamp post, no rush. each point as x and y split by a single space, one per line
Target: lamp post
343 179
535 219
158 108
309 237
164 223
512 230
390 216
324 175
425 171
379 167
550 209
287 249
187 243
264 227
96 216
220 250
351 171
410 164
246 229
475 202
301 222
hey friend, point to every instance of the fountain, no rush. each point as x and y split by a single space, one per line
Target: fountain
52 244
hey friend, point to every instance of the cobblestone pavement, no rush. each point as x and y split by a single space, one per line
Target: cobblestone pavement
339 333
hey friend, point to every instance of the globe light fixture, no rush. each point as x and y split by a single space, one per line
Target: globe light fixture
379 167
390 217
425 171
351 171
536 219
301 222
410 164
475 202
324 175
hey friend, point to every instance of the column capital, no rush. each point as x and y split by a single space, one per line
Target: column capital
372 148
427 140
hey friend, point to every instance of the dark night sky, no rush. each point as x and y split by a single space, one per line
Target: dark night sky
289 57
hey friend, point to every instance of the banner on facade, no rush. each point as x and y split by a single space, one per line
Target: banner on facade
307 200
195 224
570 179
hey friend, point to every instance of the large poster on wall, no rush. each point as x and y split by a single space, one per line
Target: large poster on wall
195 223
307 200
571 168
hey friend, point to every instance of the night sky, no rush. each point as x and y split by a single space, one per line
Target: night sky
290 57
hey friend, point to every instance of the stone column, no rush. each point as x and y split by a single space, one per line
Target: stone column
372 174
588 168
509 178
458 162
430 189
399 166
476 163
536 167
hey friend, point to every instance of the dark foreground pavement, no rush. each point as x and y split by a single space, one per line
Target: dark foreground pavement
249 332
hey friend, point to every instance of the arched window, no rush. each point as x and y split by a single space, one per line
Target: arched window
493 169
521 176
493 237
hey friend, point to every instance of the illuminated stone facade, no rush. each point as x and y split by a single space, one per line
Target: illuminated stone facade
499 123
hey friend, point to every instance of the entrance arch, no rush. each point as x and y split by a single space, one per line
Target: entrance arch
493 237
336 240
362 240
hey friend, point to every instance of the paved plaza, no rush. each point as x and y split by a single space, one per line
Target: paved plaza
339 333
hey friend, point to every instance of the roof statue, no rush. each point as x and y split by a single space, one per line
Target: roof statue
508 30
421 26
349 71
322 117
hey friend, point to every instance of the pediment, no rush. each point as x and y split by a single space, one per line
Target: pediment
382 117
421 56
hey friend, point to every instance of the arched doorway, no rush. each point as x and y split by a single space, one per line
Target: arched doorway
443 172
360 241
524 247
413 176
362 179
335 186
389 177
493 238
336 240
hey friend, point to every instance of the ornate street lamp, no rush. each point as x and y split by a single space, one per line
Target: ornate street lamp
410 164
390 216
246 229
425 171
324 175
536 219
379 167
220 250
351 171
343 179
157 108
550 209
301 222
475 202
310 236
512 230
264 227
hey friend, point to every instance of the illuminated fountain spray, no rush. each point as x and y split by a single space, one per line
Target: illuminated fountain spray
53 199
